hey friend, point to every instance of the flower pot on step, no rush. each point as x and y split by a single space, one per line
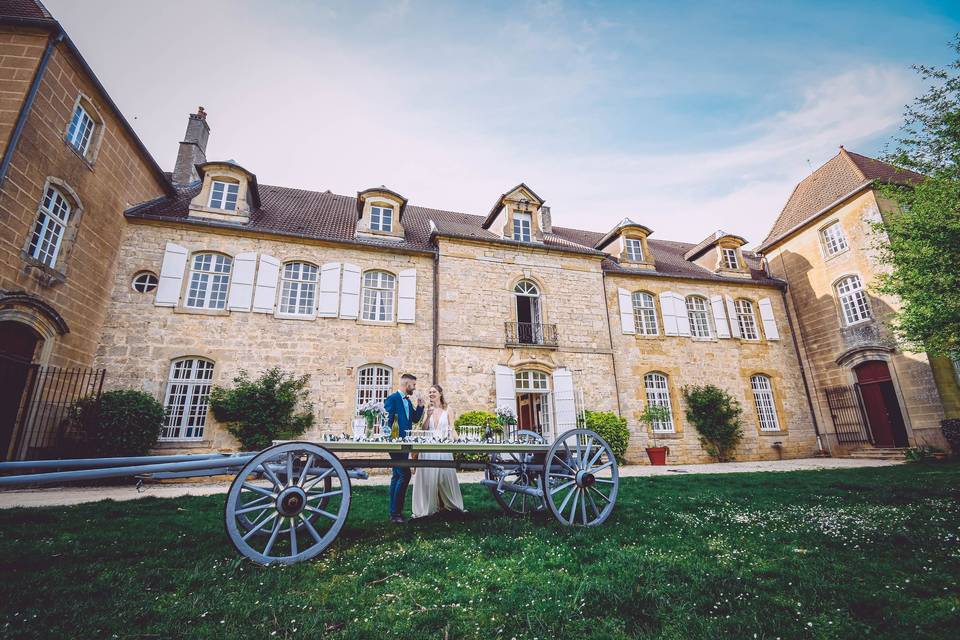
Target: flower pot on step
658 455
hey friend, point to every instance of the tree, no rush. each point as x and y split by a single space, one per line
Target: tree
275 406
920 243
716 415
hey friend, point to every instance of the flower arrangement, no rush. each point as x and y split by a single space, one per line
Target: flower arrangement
373 412
506 417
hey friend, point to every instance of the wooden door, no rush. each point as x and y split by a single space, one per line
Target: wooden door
525 418
881 404
17 345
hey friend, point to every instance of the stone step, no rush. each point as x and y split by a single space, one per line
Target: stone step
893 453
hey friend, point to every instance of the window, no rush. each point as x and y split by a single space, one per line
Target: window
521 226
209 279
699 318
853 300
374 383
634 249
730 260
763 397
144 282
186 401
658 394
833 239
378 289
223 195
645 314
531 381
381 218
298 293
746 320
51 224
81 129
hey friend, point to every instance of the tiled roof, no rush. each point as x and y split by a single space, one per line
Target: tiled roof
24 9
708 242
840 176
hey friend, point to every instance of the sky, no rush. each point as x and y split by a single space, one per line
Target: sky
684 116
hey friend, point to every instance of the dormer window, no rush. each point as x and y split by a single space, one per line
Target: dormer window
223 195
522 224
634 249
729 257
381 219
81 129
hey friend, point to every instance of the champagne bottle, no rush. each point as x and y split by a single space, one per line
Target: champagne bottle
395 428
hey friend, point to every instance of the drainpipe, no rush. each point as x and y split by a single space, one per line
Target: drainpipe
436 311
27 105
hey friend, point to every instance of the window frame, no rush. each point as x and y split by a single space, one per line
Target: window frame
149 287
746 319
302 288
707 316
659 395
223 201
853 301
644 315
522 226
196 396
765 402
208 277
365 392
374 300
828 240
531 381
81 129
377 218
725 258
633 247
39 237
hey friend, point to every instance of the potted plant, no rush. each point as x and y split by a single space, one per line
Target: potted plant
651 414
506 418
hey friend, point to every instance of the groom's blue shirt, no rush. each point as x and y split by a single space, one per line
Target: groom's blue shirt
406 416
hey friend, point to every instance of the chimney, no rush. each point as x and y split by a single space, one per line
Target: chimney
546 222
193 149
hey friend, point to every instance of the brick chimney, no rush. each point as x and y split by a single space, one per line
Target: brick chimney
193 149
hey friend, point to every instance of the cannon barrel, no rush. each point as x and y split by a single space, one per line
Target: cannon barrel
207 463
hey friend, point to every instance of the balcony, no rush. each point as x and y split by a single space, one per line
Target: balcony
531 334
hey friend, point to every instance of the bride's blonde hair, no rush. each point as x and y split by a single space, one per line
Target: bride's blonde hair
443 401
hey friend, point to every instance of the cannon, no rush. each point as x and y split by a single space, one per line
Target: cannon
289 502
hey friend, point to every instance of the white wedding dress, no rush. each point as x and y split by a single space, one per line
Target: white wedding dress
435 487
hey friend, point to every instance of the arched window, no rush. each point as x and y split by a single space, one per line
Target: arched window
378 290
298 293
209 281
746 320
658 394
374 384
188 389
529 327
144 282
699 317
52 219
763 398
645 314
853 300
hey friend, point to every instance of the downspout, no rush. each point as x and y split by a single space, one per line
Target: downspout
613 355
436 311
27 105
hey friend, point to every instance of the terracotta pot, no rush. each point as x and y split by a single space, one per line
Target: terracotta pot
658 455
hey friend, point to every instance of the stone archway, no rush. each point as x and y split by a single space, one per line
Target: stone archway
18 344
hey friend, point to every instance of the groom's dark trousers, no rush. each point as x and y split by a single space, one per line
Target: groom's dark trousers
400 408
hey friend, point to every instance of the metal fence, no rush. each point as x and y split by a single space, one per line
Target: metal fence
846 411
531 333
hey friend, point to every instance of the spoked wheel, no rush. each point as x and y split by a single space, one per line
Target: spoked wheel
297 494
581 476
514 469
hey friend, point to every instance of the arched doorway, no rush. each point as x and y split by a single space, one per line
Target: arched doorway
18 344
880 404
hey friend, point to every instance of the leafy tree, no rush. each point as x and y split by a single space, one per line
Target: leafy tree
921 242
716 415
275 406
124 422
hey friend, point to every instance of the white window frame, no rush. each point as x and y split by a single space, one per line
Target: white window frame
634 249
223 201
381 218
298 289
698 315
146 280
186 399
746 319
374 382
209 282
80 133
854 304
50 228
764 402
379 296
656 387
644 313
531 381
522 226
729 257
834 239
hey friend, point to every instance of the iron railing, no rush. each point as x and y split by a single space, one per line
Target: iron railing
846 411
531 333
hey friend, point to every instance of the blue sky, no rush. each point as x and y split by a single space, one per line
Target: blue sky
687 117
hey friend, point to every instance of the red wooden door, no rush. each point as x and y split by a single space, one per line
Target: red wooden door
525 413
881 404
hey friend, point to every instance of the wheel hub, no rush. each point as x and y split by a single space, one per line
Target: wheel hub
291 502
585 479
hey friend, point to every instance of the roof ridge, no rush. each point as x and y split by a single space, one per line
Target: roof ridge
846 156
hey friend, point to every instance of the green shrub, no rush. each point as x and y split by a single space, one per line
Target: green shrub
124 423
476 419
611 428
275 406
951 432
716 415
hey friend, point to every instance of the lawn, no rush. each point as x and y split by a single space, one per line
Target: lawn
860 553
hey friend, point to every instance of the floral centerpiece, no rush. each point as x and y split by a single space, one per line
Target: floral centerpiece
373 411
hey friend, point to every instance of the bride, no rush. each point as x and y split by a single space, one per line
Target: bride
436 489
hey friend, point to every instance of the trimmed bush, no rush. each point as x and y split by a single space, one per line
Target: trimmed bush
611 428
275 406
716 415
124 423
476 419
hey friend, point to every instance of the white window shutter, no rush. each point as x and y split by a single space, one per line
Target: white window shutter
720 317
680 309
350 292
769 322
563 400
265 293
171 275
626 311
506 382
669 317
241 281
734 322
407 296
328 302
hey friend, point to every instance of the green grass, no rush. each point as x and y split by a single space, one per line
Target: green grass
862 553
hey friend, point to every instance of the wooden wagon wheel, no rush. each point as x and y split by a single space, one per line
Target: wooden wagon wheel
301 511
513 467
581 477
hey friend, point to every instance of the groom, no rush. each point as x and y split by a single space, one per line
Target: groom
400 407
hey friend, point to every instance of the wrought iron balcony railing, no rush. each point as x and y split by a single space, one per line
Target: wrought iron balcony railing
531 333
